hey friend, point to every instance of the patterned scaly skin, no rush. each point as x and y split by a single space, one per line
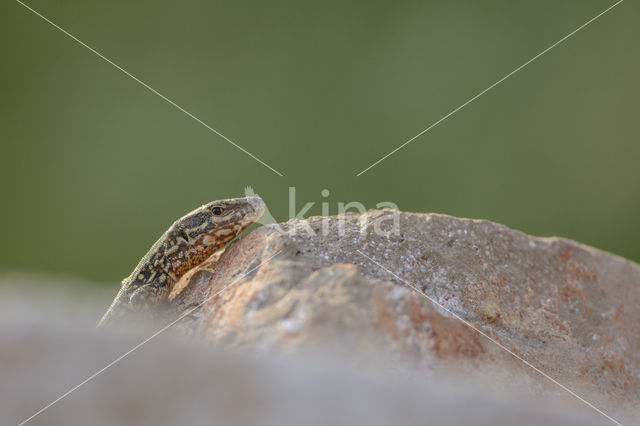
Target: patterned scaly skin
185 245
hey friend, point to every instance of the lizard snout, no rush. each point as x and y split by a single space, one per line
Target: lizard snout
256 207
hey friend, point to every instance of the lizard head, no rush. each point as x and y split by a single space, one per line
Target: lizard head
213 225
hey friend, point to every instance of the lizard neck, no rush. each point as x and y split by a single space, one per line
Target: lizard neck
186 258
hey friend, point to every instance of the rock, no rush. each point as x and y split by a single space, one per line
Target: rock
169 382
342 284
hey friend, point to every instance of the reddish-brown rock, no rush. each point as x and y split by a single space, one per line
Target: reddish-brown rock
570 310
361 346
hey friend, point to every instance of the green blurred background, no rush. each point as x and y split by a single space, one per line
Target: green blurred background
94 167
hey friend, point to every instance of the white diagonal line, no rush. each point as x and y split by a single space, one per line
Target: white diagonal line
163 329
491 87
500 345
151 89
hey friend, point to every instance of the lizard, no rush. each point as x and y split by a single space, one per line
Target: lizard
187 243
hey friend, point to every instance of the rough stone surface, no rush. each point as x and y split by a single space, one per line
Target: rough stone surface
319 333
570 310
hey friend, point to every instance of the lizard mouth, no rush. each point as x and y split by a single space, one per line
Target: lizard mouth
253 209
257 205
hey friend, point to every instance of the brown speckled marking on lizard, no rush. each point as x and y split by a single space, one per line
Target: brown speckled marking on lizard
186 244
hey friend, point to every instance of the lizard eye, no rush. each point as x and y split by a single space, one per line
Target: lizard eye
216 211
